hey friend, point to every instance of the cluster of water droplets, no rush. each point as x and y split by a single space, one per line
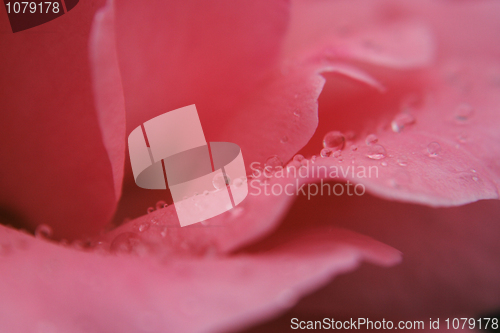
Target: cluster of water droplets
159 205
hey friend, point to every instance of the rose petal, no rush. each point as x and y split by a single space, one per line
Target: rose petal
55 168
446 154
130 294
210 54
108 91
450 265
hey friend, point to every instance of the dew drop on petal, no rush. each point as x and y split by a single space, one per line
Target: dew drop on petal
284 139
313 158
150 210
124 242
237 211
336 154
400 179
411 102
161 204
326 152
334 140
354 147
402 160
376 152
371 139
463 112
220 181
383 164
401 121
143 227
238 182
43 231
298 158
433 149
163 232
273 162
293 165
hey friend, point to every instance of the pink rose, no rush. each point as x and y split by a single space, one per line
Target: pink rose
411 89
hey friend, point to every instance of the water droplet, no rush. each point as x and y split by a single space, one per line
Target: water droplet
163 232
237 211
474 178
336 154
150 210
334 140
238 182
143 227
284 139
313 158
206 192
376 152
326 152
400 179
383 163
293 165
371 139
296 114
403 160
298 158
43 231
401 121
411 102
473 170
124 242
161 204
354 147
220 181
433 149
273 162
463 112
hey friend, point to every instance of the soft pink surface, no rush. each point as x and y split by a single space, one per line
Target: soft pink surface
46 286
255 71
54 167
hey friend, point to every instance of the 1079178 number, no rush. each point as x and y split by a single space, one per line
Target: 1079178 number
471 323
32 7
